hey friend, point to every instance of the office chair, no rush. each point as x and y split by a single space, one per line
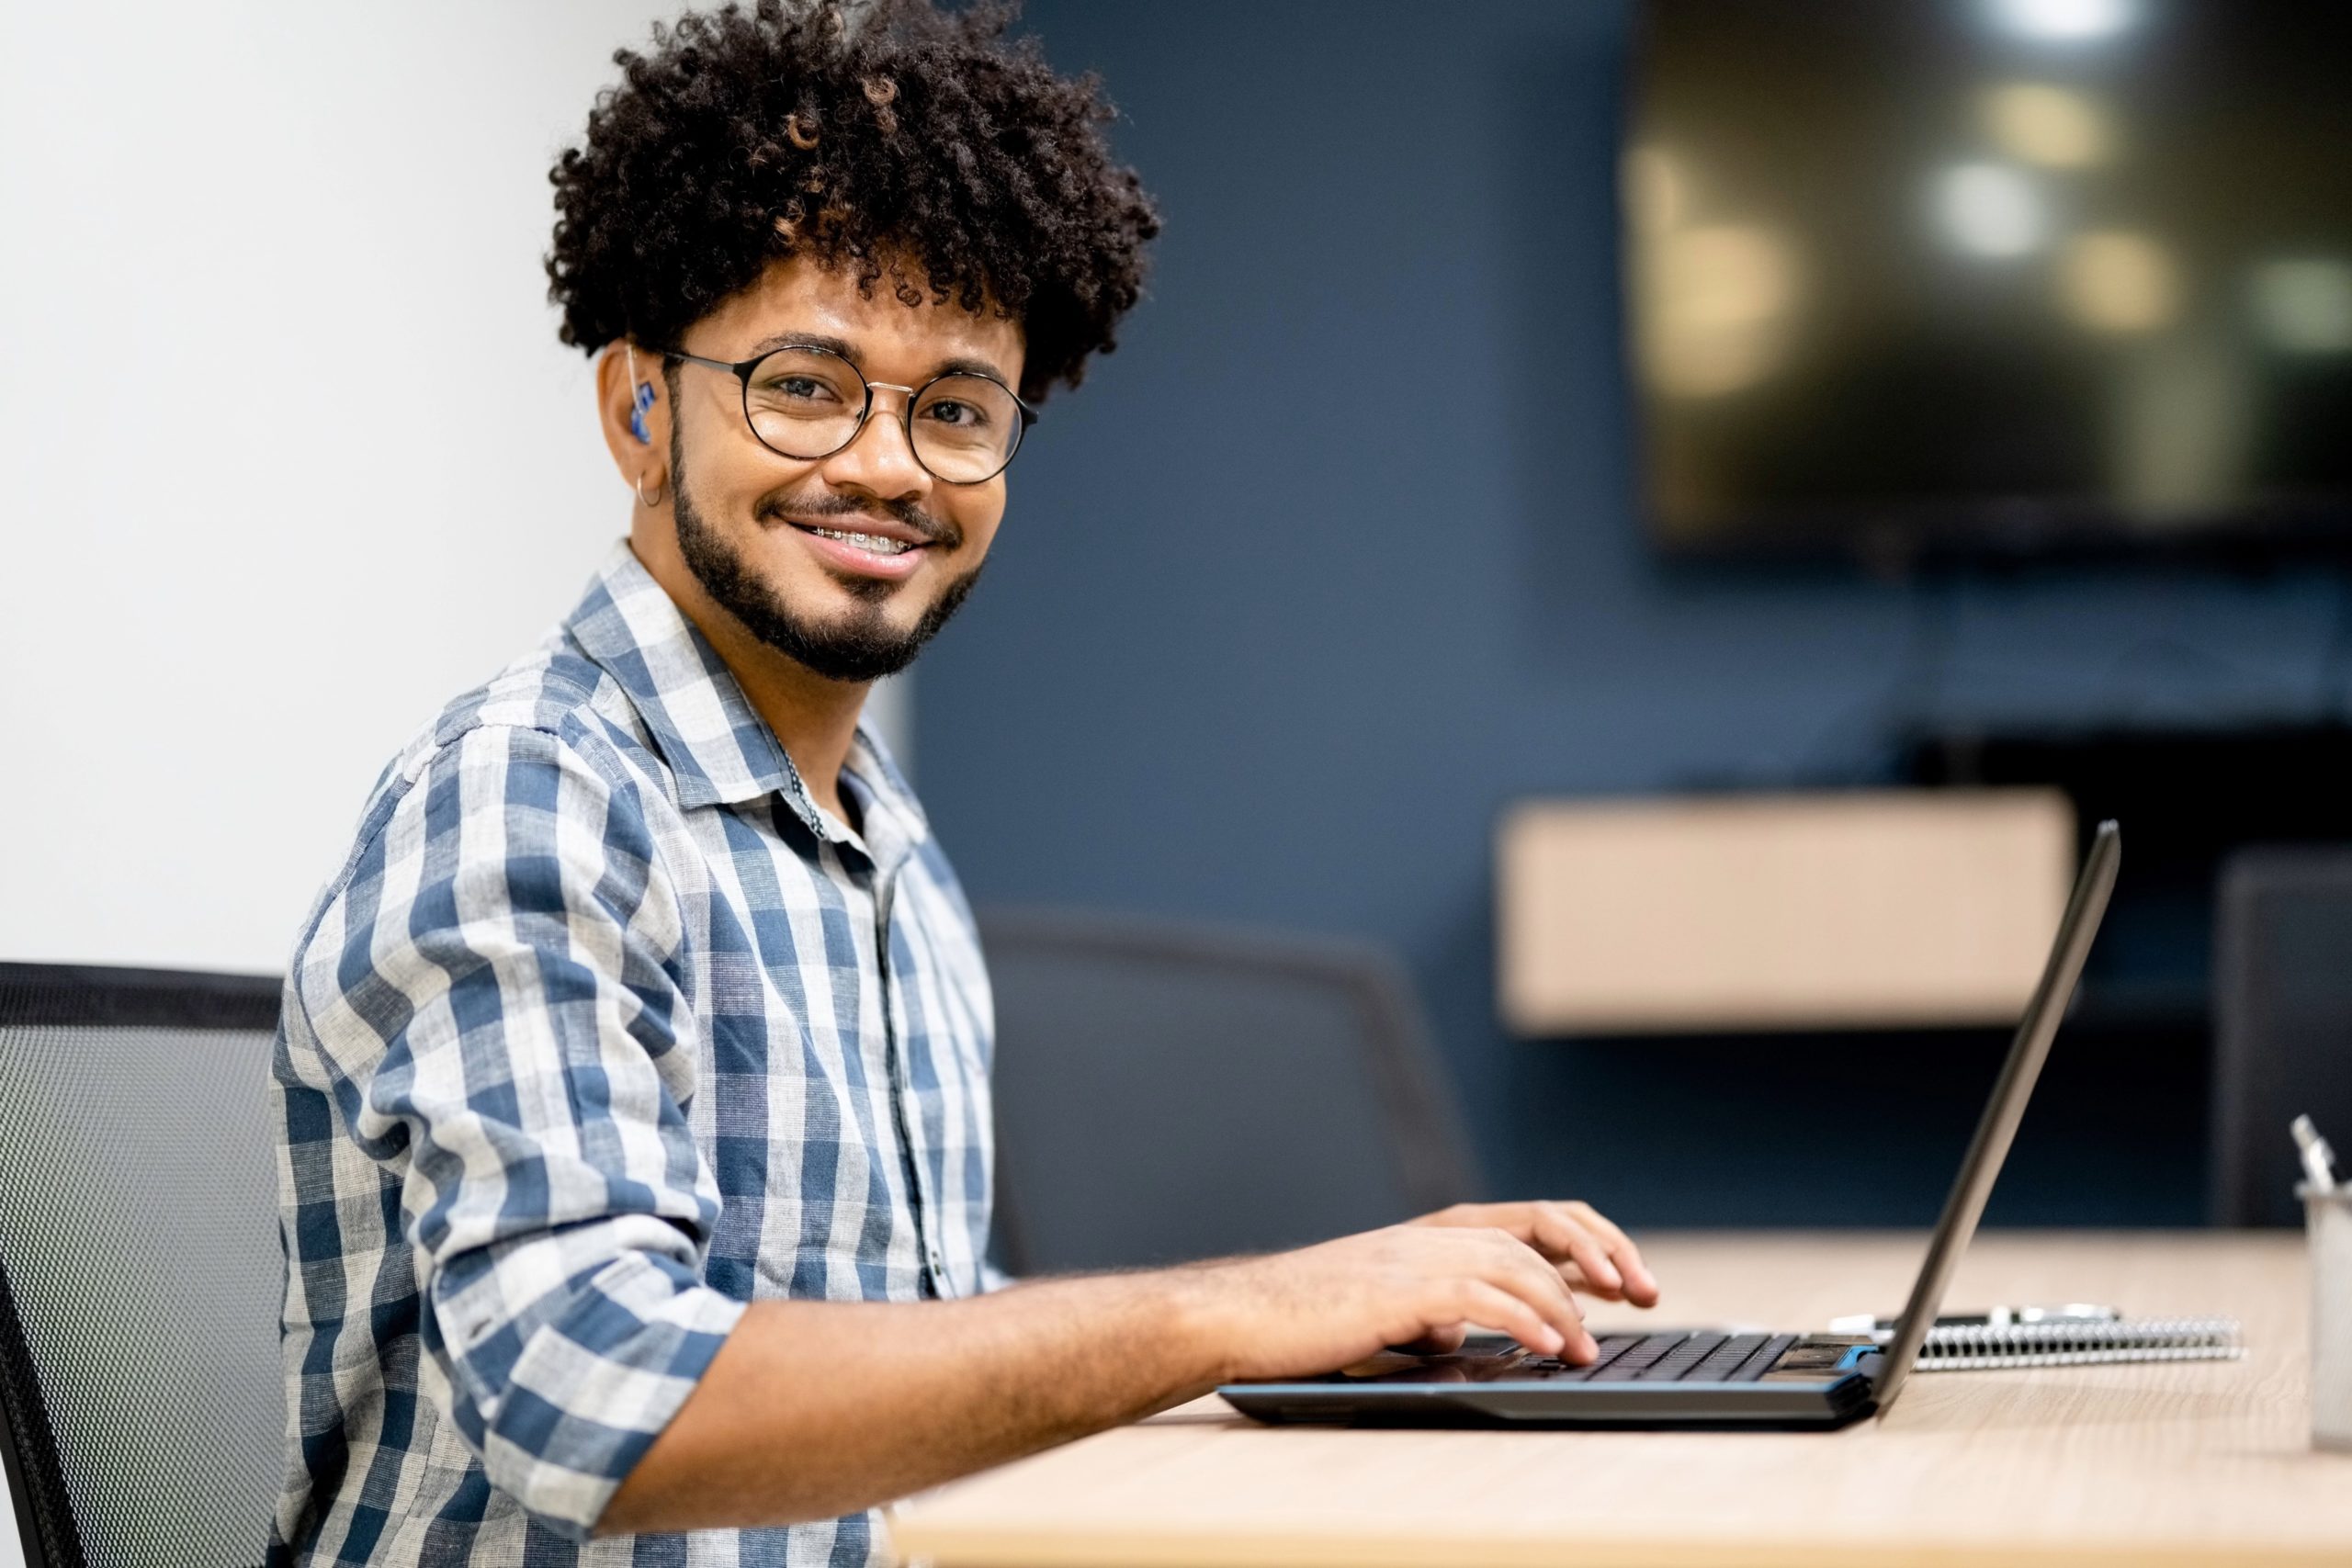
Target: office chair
1166 1092
2282 1016
138 1266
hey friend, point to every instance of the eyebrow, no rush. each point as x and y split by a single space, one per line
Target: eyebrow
954 365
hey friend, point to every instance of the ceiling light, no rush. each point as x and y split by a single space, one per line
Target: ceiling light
2304 306
2064 21
1990 209
2054 127
2116 281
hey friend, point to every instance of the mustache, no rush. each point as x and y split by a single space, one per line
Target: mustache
785 505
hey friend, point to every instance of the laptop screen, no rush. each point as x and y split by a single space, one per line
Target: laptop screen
2006 1109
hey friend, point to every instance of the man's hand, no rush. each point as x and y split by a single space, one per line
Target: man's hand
1300 1314
1591 1254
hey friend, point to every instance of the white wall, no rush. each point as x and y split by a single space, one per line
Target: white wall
292 452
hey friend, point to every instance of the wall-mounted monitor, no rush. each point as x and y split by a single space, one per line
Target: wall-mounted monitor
1916 276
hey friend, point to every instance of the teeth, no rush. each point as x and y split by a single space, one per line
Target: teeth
872 543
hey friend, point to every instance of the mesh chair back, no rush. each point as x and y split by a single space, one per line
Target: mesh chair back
1166 1092
2282 1017
138 1266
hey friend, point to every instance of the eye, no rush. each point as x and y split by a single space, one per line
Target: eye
951 411
799 388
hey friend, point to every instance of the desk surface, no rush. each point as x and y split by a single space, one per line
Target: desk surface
2192 1462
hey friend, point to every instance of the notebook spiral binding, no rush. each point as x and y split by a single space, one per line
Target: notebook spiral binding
1975 1347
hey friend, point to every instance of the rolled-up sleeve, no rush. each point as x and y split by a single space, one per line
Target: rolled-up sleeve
499 995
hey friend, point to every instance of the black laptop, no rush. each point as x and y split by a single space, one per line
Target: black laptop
1718 1379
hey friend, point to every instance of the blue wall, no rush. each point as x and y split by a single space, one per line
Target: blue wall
1338 555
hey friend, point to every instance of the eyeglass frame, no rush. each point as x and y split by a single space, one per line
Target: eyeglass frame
741 370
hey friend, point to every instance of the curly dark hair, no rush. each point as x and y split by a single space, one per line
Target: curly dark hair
887 137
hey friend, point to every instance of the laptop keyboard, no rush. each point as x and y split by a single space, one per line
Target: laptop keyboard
1672 1358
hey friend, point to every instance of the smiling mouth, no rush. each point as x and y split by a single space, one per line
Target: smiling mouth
872 543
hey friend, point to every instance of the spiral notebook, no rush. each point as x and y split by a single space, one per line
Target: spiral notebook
2038 1337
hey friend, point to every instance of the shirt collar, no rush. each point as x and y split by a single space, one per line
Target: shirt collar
720 749
892 819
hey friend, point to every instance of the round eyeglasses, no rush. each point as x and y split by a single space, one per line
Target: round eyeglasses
804 402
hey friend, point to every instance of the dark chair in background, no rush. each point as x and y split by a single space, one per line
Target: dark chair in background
1168 1092
2282 1015
138 1266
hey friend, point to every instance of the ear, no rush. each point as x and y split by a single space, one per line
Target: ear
633 412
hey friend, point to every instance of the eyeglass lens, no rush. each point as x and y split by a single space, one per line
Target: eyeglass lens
809 403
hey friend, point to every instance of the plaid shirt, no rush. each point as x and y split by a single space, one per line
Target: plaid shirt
604 1030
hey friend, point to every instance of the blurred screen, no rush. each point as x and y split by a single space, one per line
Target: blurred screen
1992 275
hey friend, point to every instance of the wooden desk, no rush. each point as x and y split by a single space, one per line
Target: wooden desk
2194 1463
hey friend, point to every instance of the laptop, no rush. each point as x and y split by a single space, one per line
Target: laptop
1688 1378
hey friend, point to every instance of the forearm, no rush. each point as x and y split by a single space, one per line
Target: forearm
814 1409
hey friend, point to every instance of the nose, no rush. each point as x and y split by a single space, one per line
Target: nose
881 459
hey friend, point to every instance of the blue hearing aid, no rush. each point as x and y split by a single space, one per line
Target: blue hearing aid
639 403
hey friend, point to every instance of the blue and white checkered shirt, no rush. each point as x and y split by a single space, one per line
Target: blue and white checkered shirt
604 1030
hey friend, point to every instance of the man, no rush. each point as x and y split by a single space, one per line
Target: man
633 1070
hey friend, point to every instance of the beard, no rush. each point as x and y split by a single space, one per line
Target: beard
861 647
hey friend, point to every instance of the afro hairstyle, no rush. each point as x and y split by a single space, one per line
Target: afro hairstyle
921 147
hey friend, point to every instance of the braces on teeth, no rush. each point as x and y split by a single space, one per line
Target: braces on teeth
873 544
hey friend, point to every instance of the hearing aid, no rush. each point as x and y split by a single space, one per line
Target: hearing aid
642 400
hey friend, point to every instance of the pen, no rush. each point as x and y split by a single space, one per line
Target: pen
2319 1160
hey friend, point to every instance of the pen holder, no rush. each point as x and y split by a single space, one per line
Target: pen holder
2328 1212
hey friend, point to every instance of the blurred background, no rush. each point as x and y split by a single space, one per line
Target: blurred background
1550 421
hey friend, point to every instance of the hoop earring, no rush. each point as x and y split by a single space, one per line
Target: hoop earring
644 499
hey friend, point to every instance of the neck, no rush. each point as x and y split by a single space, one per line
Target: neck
814 719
